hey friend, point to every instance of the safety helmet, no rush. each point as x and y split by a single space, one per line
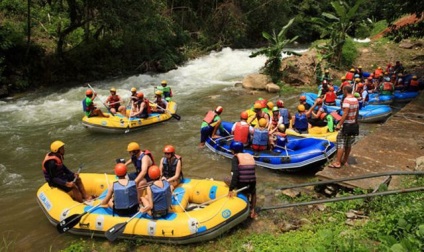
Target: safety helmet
414 77
164 82
154 172
281 127
270 104
319 101
262 122
236 146
352 70
302 98
360 85
326 71
379 68
133 89
158 92
343 78
400 74
120 169
219 110
275 109
331 88
257 105
359 67
56 145
356 95
280 103
168 149
89 92
133 146
357 79
244 115
113 90
387 79
140 95
322 116
301 108
356 76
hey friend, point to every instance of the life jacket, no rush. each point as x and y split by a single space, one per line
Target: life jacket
86 108
170 169
349 76
281 139
58 162
285 114
330 97
147 109
300 121
246 168
210 116
387 86
414 83
241 132
378 72
162 197
167 92
260 137
125 197
113 99
137 162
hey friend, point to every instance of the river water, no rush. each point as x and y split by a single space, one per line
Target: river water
30 123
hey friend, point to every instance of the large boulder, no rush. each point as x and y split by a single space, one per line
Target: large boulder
272 88
300 70
255 81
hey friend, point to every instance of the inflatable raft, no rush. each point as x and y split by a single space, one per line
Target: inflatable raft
298 154
398 96
367 114
121 124
218 214
315 132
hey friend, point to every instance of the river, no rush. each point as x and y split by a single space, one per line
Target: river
30 123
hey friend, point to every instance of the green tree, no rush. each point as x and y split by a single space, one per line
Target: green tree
335 27
274 52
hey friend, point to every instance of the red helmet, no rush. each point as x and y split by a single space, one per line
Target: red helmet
120 169
280 103
140 95
330 88
302 98
244 115
319 101
154 172
89 92
219 110
169 149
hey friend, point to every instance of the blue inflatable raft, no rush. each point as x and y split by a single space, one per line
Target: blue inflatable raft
368 113
297 155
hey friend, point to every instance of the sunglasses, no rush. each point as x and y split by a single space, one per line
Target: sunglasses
167 153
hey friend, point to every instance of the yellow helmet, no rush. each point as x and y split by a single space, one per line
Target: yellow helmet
257 105
301 107
357 79
113 90
262 122
133 146
359 67
133 89
270 104
164 82
326 71
343 78
158 92
281 127
56 145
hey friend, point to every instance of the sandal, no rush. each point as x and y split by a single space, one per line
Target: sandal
334 166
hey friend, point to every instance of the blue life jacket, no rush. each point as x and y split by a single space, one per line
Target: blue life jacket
162 198
300 122
125 197
137 162
85 108
260 137
285 114
168 170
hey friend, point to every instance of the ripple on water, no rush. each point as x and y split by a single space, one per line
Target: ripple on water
10 181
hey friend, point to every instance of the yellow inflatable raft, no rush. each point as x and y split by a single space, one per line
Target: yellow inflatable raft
119 123
218 213
316 132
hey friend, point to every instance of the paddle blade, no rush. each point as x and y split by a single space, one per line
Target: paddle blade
115 231
68 223
176 116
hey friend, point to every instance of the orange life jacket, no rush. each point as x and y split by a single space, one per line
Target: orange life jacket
241 132
414 83
349 76
209 117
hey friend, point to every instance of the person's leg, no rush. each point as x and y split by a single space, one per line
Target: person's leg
253 205
340 151
81 189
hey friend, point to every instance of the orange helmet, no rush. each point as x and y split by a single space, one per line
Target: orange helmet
302 98
280 103
154 172
319 101
89 92
360 85
301 107
140 95
262 122
169 149
331 88
257 105
120 169
244 115
219 110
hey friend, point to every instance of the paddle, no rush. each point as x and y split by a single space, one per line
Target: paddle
173 115
115 231
72 220
129 121
104 104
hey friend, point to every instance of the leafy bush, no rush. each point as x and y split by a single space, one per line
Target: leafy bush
349 53
379 27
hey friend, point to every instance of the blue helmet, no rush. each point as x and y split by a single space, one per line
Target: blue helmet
356 76
236 146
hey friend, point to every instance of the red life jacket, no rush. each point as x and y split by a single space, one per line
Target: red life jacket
48 157
387 86
112 99
330 97
414 83
241 132
349 76
209 117
378 72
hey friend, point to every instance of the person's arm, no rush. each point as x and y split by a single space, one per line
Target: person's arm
177 172
147 201
161 166
129 161
109 194
234 176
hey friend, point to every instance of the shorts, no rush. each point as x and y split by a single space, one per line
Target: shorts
126 212
259 147
344 141
205 132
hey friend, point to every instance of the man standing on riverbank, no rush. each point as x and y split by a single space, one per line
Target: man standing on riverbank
349 128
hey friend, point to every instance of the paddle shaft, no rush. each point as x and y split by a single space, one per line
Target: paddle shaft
104 104
223 196
72 220
129 120
173 115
